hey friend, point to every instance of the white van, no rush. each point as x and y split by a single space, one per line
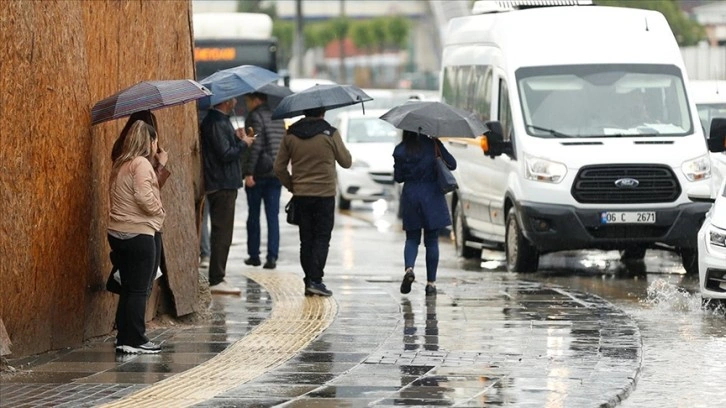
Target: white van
594 142
710 99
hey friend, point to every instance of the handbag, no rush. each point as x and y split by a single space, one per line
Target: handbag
292 216
446 179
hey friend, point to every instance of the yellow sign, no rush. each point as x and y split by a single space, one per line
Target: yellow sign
215 54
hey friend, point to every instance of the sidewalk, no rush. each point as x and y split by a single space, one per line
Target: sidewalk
488 339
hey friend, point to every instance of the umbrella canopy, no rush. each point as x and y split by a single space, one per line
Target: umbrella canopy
435 119
147 95
233 82
275 93
328 96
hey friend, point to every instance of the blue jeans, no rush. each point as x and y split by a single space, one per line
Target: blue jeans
431 242
267 190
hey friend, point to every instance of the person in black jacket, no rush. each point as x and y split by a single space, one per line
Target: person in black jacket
261 184
222 150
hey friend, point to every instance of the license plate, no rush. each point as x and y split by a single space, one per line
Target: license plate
627 217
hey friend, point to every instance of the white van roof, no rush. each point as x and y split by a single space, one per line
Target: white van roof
705 91
568 35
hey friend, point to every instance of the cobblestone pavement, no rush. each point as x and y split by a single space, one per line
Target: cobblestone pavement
487 339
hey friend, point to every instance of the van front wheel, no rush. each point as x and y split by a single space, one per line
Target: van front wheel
689 258
521 255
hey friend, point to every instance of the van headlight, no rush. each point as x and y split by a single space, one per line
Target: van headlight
697 169
539 169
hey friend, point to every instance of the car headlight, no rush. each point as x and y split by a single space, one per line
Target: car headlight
539 169
717 236
697 169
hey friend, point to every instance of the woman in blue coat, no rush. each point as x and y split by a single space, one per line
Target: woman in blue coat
423 206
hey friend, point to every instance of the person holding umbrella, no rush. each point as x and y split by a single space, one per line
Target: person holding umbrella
422 201
423 206
136 215
261 184
313 147
222 151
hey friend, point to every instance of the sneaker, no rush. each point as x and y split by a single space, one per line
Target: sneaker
317 289
408 279
224 288
146 348
430 290
270 264
204 262
253 261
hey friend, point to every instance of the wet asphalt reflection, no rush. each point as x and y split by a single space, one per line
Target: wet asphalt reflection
681 340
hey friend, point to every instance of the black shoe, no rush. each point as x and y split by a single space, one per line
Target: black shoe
317 289
253 261
408 279
430 290
146 348
270 264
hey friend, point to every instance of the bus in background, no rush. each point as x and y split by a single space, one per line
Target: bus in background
226 40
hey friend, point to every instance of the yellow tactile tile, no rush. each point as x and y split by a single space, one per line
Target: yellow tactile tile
294 322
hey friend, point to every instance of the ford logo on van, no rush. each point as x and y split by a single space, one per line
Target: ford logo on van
626 183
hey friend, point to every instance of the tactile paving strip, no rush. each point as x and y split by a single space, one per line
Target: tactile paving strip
295 321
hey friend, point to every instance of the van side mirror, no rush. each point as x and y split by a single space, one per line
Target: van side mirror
717 135
493 144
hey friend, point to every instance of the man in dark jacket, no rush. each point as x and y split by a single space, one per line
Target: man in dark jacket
313 147
261 184
222 150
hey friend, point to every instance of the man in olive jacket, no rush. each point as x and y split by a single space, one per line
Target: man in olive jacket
222 150
312 146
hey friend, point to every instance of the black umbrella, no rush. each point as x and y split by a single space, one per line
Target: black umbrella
435 119
275 93
319 96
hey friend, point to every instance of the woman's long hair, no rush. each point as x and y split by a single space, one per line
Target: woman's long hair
146 116
136 143
412 141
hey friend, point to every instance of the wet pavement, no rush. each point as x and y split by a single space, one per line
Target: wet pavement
487 339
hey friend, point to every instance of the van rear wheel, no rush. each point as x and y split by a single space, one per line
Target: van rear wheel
462 234
521 255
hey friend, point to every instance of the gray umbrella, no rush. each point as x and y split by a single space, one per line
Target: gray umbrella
319 96
435 119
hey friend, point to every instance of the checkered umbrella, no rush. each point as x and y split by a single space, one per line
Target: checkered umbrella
147 95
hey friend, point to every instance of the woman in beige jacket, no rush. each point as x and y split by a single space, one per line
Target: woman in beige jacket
136 215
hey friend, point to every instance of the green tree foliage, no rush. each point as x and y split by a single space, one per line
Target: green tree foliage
398 29
686 31
379 32
361 34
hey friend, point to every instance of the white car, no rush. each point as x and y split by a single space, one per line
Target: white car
712 248
371 142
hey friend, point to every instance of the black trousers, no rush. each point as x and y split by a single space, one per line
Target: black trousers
317 217
221 217
137 259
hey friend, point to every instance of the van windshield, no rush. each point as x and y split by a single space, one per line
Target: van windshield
708 111
604 100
